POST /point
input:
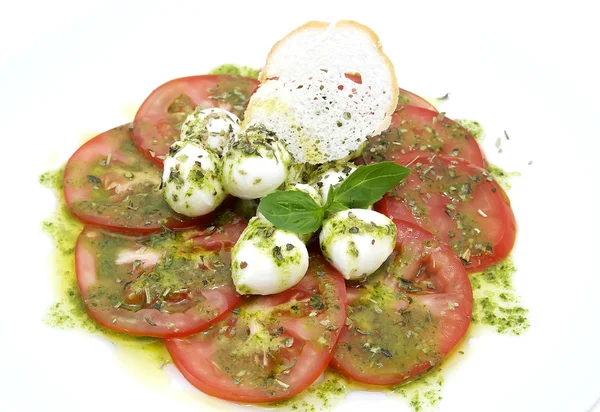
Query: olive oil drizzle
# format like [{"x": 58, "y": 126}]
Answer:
[{"x": 496, "y": 307}]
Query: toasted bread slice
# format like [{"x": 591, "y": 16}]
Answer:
[{"x": 325, "y": 89}]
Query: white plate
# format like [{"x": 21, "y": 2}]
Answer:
[{"x": 69, "y": 70}]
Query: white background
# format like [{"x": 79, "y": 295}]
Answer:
[{"x": 69, "y": 70}]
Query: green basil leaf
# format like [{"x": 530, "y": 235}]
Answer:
[
  {"x": 367, "y": 184},
  {"x": 293, "y": 211},
  {"x": 336, "y": 207},
  {"x": 329, "y": 198}
]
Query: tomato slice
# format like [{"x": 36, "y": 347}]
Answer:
[
  {"x": 417, "y": 131},
  {"x": 161, "y": 285},
  {"x": 409, "y": 98},
  {"x": 458, "y": 202},
  {"x": 404, "y": 318},
  {"x": 107, "y": 182},
  {"x": 223, "y": 233},
  {"x": 159, "y": 119},
  {"x": 271, "y": 348}
]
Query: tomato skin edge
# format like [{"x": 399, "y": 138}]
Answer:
[
  {"x": 506, "y": 243},
  {"x": 386, "y": 381},
  {"x": 147, "y": 230}
]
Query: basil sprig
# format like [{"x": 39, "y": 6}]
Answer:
[
  {"x": 293, "y": 210},
  {"x": 297, "y": 212}
]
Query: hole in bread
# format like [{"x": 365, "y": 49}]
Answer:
[{"x": 355, "y": 77}]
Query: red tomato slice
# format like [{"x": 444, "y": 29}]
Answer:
[
  {"x": 160, "y": 285},
  {"x": 224, "y": 233},
  {"x": 417, "y": 131},
  {"x": 409, "y": 98},
  {"x": 159, "y": 119},
  {"x": 107, "y": 182},
  {"x": 458, "y": 202},
  {"x": 271, "y": 348},
  {"x": 404, "y": 318}
]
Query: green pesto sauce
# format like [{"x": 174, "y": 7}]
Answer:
[
  {"x": 236, "y": 70},
  {"x": 495, "y": 300},
  {"x": 496, "y": 305},
  {"x": 144, "y": 355},
  {"x": 321, "y": 396},
  {"x": 423, "y": 393},
  {"x": 501, "y": 176},
  {"x": 474, "y": 128}
]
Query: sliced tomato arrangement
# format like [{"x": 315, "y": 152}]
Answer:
[
  {"x": 458, "y": 202},
  {"x": 161, "y": 285},
  {"x": 404, "y": 318},
  {"x": 145, "y": 270},
  {"x": 409, "y": 98},
  {"x": 159, "y": 119},
  {"x": 107, "y": 182},
  {"x": 272, "y": 347},
  {"x": 418, "y": 131}
]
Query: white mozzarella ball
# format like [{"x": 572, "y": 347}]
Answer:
[
  {"x": 255, "y": 163},
  {"x": 192, "y": 179},
  {"x": 357, "y": 241},
  {"x": 331, "y": 174},
  {"x": 214, "y": 127},
  {"x": 266, "y": 260}
]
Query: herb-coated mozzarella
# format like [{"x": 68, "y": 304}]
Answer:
[
  {"x": 214, "y": 127},
  {"x": 192, "y": 179},
  {"x": 266, "y": 260},
  {"x": 255, "y": 163},
  {"x": 331, "y": 174},
  {"x": 357, "y": 241}
]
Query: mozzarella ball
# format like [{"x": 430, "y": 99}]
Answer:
[
  {"x": 255, "y": 163},
  {"x": 214, "y": 127},
  {"x": 266, "y": 260},
  {"x": 331, "y": 174},
  {"x": 191, "y": 179},
  {"x": 357, "y": 241}
]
